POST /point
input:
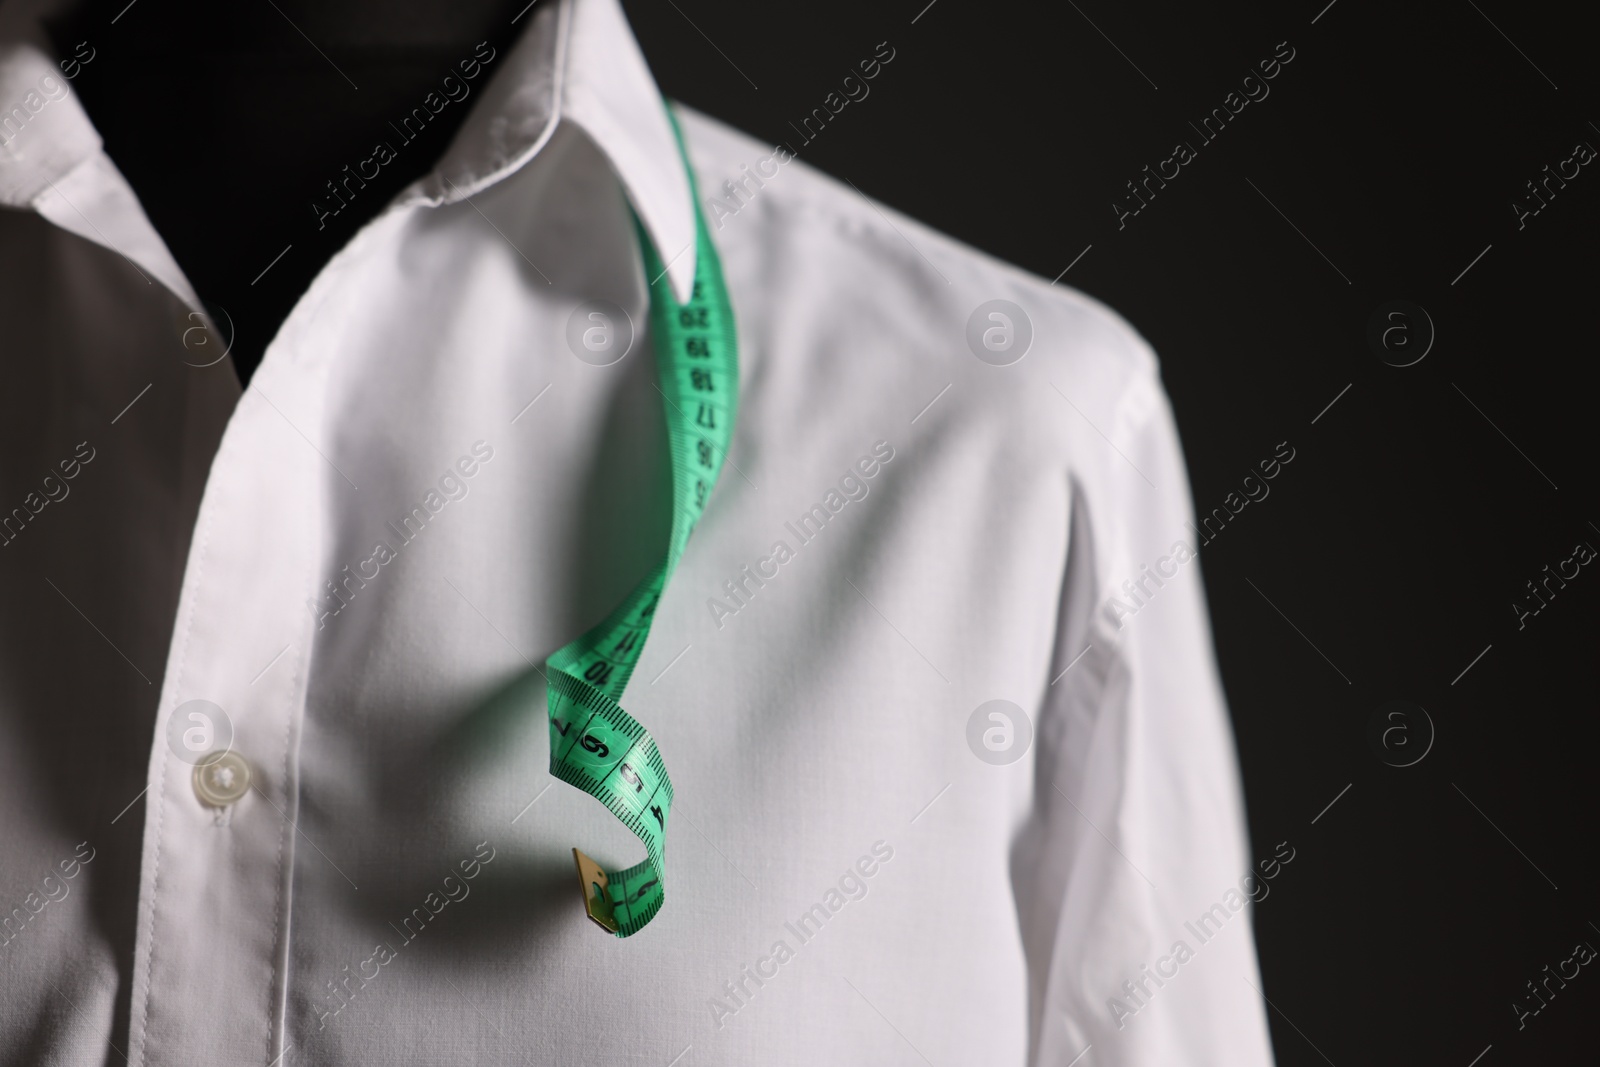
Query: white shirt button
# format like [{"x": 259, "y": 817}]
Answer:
[{"x": 221, "y": 778}]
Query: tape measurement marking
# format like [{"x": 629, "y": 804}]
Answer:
[{"x": 594, "y": 744}]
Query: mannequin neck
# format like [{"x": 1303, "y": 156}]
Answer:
[{"x": 230, "y": 120}]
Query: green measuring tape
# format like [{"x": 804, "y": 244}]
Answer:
[{"x": 594, "y": 744}]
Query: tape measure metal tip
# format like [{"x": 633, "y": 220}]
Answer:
[
  {"x": 594, "y": 881},
  {"x": 595, "y": 745}
]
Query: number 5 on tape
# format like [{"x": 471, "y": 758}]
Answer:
[{"x": 594, "y": 744}]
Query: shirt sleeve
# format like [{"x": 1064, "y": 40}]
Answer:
[{"x": 1132, "y": 873}]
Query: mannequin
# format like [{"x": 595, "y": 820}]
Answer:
[{"x": 230, "y": 120}]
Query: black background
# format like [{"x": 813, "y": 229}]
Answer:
[
  {"x": 1383, "y": 164},
  {"x": 1418, "y": 505}
]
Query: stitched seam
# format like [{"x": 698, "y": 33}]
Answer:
[
  {"x": 277, "y": 892},
  {"x": 335, "y": 271},
  {"x": 160, "y": 778},
  {"x": 280, "y": 906}
]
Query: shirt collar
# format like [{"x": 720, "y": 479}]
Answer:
[
  {"x": 579, "y": 62},
  {"x": 576, "y": 62},
  {"x": 44, "y": 133}
]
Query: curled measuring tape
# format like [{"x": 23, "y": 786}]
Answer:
[{"x": 594, "y": 744}]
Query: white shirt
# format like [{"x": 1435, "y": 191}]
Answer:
[{"x": 396, "y": 884}]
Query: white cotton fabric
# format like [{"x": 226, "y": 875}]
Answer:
[{"x": 398, "y": 886}]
